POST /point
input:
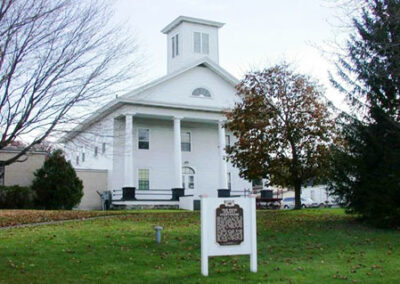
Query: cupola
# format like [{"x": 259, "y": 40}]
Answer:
[{"x": 189, "y": 39}]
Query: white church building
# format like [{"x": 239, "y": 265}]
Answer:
[{"x": 168, "y": 133}]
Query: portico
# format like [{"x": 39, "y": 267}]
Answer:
[{"x": 132, "y": 162}]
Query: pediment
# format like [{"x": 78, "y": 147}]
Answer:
[{"x": 181, "y": 88}]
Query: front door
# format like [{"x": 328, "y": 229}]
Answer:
[{"x": 188, "y": 180}]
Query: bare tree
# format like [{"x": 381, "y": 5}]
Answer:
[{"x": 56, "y": 56}]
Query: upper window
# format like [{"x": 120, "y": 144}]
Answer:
[
  {"x": 185, "y": 142},
  {"x": 96, "y": 151},
  {"x": 144, "y": 138},
  {"x": 103, "y": 148},
  {"x": 201, "y": 92},
  {"x": 201, "y": 43},
  {"x": 175, "y": 45},
  {"x": 227, "y": 141}
]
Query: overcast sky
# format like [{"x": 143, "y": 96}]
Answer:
[{"x": 257, "y": 33}]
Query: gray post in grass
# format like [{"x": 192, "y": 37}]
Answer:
[{"x": 158, "y": 230}]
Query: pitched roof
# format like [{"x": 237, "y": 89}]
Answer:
[
  {"x": 129, "y": 97},
  {"x": 205, "y": 61},
  {"x": 181, "y": 19}
]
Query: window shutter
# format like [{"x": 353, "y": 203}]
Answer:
[{"x": 196, "y": 42}]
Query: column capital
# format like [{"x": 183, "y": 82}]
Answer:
[
  {"x": 178, "y": 117},
  {"x": 129, "y": 114},
  {"x": 221, "y": 122}
]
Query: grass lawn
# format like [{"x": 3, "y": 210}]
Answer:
[
  {"x": 20, "y": 217},
  {"x": 308, "y": 246}
]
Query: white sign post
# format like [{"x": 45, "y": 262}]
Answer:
[{"x": 228, "y": 227}]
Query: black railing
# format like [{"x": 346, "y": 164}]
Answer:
[
  {"x": 244, "y": 192},
  {"x": 173, "y": 194},
  {"x": 233, "y": 193},
  {"x": 132, "y": 194}
]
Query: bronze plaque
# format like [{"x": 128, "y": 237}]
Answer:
[{"x": 229, "y": 224}]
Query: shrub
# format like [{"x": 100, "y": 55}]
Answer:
[
  {"x": 16, "y": 197},
  {"x": 56, "y": 184}
]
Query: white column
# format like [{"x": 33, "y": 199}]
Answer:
[
  {"x": 128, "y": 169},
  {"x": 177, "y": 152},
  {"x": 223, "y": 183}
]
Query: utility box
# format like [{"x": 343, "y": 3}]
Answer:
[{"x": 105, "y": 200}]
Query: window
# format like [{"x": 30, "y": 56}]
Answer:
[
  {"x": 185, "y": 142},
  {"x": 77, "y": 160},
  {"x": 201, "y": 43},
  {"x": 144, "y": 182},
  {"x": 229, "y": 179},
  {"x": 289, "y": 199},
  {"x": 191, "y": 182},
  {"x": 175, "y": 45},
  {"x": 227, "y": 141},
  {"x": 2, "y": 172},
  {"x": 144, "y": 140},
  {"x": 187, "y": 171},
  {"x": 83, "y": 157},
  {"x": 201, "y": 92},
  {"x": 96, "y": 151},
  {"x": 204, "y": 43},
  {"x": 103, "y": 148},
  {"x": 197, "y": 42},
  {"x": 188, "y": 178}
]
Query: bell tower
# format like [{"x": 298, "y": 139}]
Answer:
[{"x": 189, "y": 39}]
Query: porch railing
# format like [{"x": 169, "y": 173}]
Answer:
[
  {"x": 233, "y": 193},
  {"x": 133, "y": 194}
]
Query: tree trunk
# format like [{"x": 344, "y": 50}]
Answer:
[
  {"x": 297, "y": 196},
  {"x": 296, "y": 179}
]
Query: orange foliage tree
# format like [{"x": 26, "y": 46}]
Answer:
[{"x": 283, "y": 126}]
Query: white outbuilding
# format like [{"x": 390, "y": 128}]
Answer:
[{"x": 168, "y": 133}]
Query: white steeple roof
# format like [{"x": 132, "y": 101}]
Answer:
[{"x": 181, "y": 19}]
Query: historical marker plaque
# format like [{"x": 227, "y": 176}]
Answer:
[
  {"x": 229, "y": 224},
  {"x": 228, "y": 227}
]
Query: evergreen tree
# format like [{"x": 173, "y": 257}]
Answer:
[
  {"x": 56, "y": 184},
  {"x": 366, "y": 164}
]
